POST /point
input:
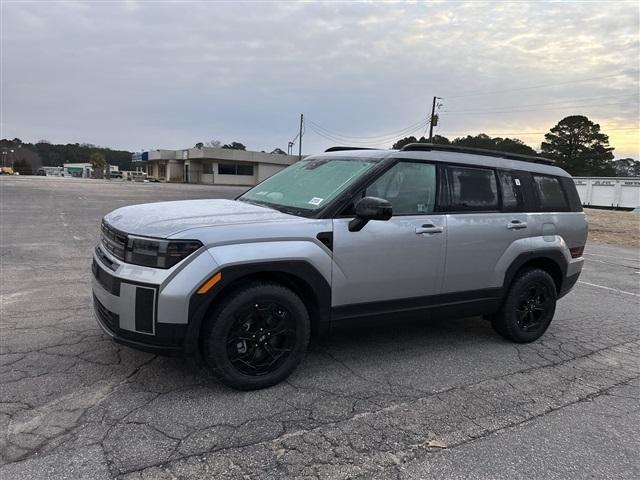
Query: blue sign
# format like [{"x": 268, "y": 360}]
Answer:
[{"x": 140, "y": 157}]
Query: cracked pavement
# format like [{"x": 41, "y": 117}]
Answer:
[{"x": 368, "y": 402}]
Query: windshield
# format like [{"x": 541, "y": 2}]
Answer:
[{"x": 308, "y": 185}]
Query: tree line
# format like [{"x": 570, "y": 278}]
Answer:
[
  {"x": 26, "y": 158},
  {"x": 575, "y": 143}
]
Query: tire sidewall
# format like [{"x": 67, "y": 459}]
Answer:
[
  {"x": 506, "y": 322},
  {"x": 222, "y": 319}
]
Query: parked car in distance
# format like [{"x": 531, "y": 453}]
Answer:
[{"x": 428, "y": 230}]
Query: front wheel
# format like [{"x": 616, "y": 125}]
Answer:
[
  {"x": 528, "y": 308},
  {"x": 257, "y": 336}
]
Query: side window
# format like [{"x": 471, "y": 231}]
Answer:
[
  {"x": 410, "y": 187},
  {"x": 552, "y": 198},
  {"x": 512, "y": 191},
  {"x": 472, "y": 189},
  {"x": 572, "y": 194}
]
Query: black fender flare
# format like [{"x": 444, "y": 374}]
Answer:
[
  {"x": 306, "y": 277},
  {"x": 555, "y": 255}
]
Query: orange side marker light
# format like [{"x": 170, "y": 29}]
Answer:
[{"x": 209, "y": 284}]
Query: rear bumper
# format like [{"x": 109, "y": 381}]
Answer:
[
  {"x": 574, "y": 268},
  {"x": 567, "y": 284}
]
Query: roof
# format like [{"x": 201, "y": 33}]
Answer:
[
  {"x": 465, "y": 156},
  {"x": 477, "y": 151}
]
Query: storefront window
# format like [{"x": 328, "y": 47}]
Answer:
[{"x": 235, "y": 169}]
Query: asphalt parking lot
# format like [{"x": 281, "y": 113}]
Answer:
[{"x": 377, "y": 402}]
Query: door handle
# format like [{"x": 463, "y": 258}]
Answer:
[
  {"x": 429, "y": 228},
  {"x": 516, "y": 225}
]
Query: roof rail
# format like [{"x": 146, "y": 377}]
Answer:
[
  {"x": 342, "y": 149},
  {"x": 426, "y": 147}
]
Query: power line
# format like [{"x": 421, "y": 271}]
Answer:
[
  {"x": 486, "y": 112},
  {"x": 495, "y": 92},
  {"x": 540, "y": 104},
  {"x": 352, "y": 142},
  {"x": 364, "y": 137},
  {"x": 460, "y": 132},
  {"x": 372, "y": 140},
  {"x": 362, "y": 141}
]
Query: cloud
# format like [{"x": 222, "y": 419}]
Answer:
[{"x": 158, "y": 75}]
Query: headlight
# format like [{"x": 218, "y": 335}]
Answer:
[{"x": 150, "y": 252}]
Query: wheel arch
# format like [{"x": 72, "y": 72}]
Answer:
[
  {"x": 298, "y": 275},
  {"x": 551, "y": 261}
]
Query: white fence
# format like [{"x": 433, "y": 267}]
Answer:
[{"x": 609, "y": 191}]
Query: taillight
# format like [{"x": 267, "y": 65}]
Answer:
[{"x": 576, "y": 251}]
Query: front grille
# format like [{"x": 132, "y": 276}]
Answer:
[
  {"x": 108, "y": 318},
  {"x": 114, "y": 241}
]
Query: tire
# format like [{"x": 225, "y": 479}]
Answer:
[
  {"x": 257, "y": 336},
  {"x": 528, "y": 308}
]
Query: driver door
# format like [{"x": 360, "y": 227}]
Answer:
[{"x": 393, "y": 265}]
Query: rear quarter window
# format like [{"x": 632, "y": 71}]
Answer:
[
  {"x": 575, "y": 204},
  {"x": 550, "y": 193}
]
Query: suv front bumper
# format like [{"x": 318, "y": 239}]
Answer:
[
  {"x": 107, "y": 308},
  {"x": 147, "y": 316}
]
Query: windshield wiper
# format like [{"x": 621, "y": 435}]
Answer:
[
  {"x": 291, "y": 211},
  {"x": 258, "y": 204},
  {"x": 278, "y": 208}
]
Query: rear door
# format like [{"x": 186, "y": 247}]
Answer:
[
  {"x": 481, "y": 226},
  {"x": 395, "y": 264}
]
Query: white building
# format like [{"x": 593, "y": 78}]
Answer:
[
  {"x": 213, "y": 166},
  {"x": 617, "y": 192}
]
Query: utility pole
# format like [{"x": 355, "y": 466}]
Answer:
[
  {"x": 434, "y": 120},
  {"x": 300, "y": 138}
]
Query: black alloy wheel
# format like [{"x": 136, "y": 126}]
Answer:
[
  {"x": 256, "y": 336},
  {"x": 261, "y": 338},
  {"x": 528, "y": 307},
  {"x": 533, "y": 304}
]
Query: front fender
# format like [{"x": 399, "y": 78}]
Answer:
[
  {"x": 313, "y": 253},
  {"x": 308, "y": 263}
]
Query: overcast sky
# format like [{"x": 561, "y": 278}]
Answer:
[{"x": 145, "y": 75}]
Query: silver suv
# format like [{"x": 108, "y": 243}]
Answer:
[{"x": 428, "y": 230}]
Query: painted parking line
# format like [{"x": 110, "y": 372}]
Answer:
[
  {"x": 609, "y": 288},
  {"x": 613, "y": 256},
  {"x": 612, "y": 263}
]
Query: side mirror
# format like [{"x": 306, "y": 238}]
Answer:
[{"x": 370, "y": 208}]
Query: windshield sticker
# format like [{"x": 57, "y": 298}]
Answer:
[
  {"x": 517, "y": 182},
  {"x": 315, "y": 201}
]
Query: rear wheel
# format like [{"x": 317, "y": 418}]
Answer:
[
  {"x": 257, "y": 336},
  {"x": 528, "y": 308}
]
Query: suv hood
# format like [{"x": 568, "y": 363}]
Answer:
[{"x": 164, "y": 219}]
